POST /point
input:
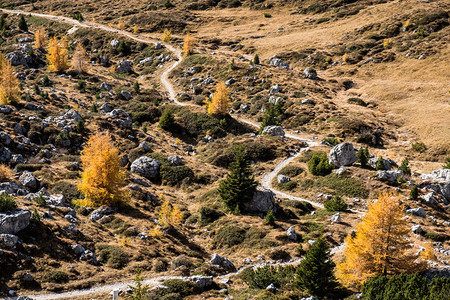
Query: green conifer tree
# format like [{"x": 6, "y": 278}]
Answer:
[
  {"x": 272, "y": 115},
  {"x": 167, "y": 120},
  {"x": 23, "y": 24},
  {"x": 414, "y": 194},
  {"x": 315, "y": 273},
  {"x": 256, "y": 60},
  {"x": 380, "y": 164},
  {"x": 404, "y": 167},
  {"x": 363, "y": 156},
  {"x": 239, "y": 186},
  {"x": 270, "y": 217}
]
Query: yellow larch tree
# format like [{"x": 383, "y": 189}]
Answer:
[
  {"x": 9, "y": 83},
  {"x": 381, "y": 245},
  {"x": 169, "y": 215},
  {"x": 40, "y": 38},
  {"x": 102, "y": 180},
  {"x": 58, "y": 54},
  {"x": 220, "y": 102},
  {"x": 188, "y": 46},
  {"x": 167, "y": 36},
  {"x": 79, "y": 60}
]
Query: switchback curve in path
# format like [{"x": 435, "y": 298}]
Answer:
[{"x": 266, "y": 181}]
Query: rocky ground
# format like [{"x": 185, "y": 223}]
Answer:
[{"x": 48, "y": 244}]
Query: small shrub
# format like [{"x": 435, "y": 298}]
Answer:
[
  {"x": 167, "y": 4},
  {"x": 270, "y": 217},
  {"x": 112, "y": 256},
  {"x": 173, "y": 175},
  {"x": 182, "y": 287},
  {"x": 278, "y": 254},
  {"x": 336, "y": 204},
  {"x": 159, "y": 266},
  {"x": 7, "y": 203},
  {"x": 363, "y": 156},
  {"x": 56, "y": 276},
  {"x": 291, "y": 171},
  {"x": 262, "y": 277},
  {"x": 288, "y": 186},
  {"x": 414, "y": 194},
  {"x": 229, "y": 236},
  {"x": 181, "y": 261},
  {"x": 331, "y": 140},
  {"x": 267, "y": 15},
  {"x": 380, "y": 164},
  {"x": 447, "y": 164},
  {"x": 404, "y": 167},
  {"x": 436, "y": 237},
  {"x": 208, "y": 215},
  {"x": 167, "y": 120},
  {"x": 40, "y": 200},
  {"x": 319, "y": 166},
  {"x": 342, "y": 186},
  {"x": 419, "y": 147}
]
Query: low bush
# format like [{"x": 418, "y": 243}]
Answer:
[
  {"x": 208, "y": 215},
  {"x": 69, "y": 190},
  {"x": 173, "y": 175},
  {"x": 229, "y": 236},
  {"x": 305, "y": 207},
  {"x": 288, "y": 186},
  {"x": 181, "y": 287},
  {"x": 278, "y": 254},
  {"x": 291, "y": 171},
  {"x": 419, "y": 147},
  {"x": 159, "y": 266},
  {"x": 182, "y": 261},
  {"x": 7, "y": 203},
  {"x": 436, "y": 237},
  {"x": 336, "y": 204},
  {"x": 343, "y": 186},
  {"x": 319, "y": 166},
  {"x": 264, "y": 276},
  {"x": 112, "y": 256},
  {"x": 56, "y": 276},
  {"x": 331, "y": 140},
  {"x": 357, "y": 101}
]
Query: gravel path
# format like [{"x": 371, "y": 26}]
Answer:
[{"x": 266, "y": 181}]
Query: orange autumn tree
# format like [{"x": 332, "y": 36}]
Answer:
[
  {"x": 220, "y": 102},
  {"x": 188, "y": 46},
  {"x": 58, "y": 54},
  {"x": 169, "y": 215},
  {"x": 102, "y": 180},
  {"x": 79, "y": 60},
  {"x": 167, "y": 36},
  {"x": 381, "y": 245},
  {"x": 9, "y": 84},
  {"x": 40, "y": 38}
]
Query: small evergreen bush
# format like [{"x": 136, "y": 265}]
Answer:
[
  {"x": 319, "y": 166},
  {"x": 336, "y": 204},
  {"x": 7, "y": 203}
]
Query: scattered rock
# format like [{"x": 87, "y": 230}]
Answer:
[
  {"x": 5, "y": 154},
  {"x": 78, "y": 249},
  {"x": 342, "y": 154},
  {"x": 175, "y": 160},
  {"x": 145, "y": 146},
  {"x": 105, "y": 86},
  {"x": 310, "y": 73},
  {"x": 275, "y": 89},
  {"x": 57, "y": 200},
  {"x": 8, "y": 241},
  {"x": 417, "y": 229},
  {"x": 15, "y": 221},
  {"x": 429, "y": 198},
  {"x": 272, "y": 288},
  {"x": 336, "y": 218},
  {"x": 262, "y": 201},
  {"x": 115, "y": 43},
  {"x": 438, "y": 181},
  {"x": 387, "y": 163},
  {"x": 124, "y": 67},
  {"x": 158, "y": 46},
  {"x": 28, "y": 180},
  {"x": 274, "y": 131},
  {"x": 126, "y": 95},
  {"x": 9, "y": 187},
  {"x": 419, "y": 211},
  {"x": 230, "y": 81},
  {"x": 279, "y": 63},
  {"x": 283, "y": 178},
  {"x": 17, "y": 58},
  {"x": 308, "y": 101},
  {"x": 291, "y": 234},
  {"x": 390, "y": 176},
  {"x": 222, "y": 262},
  {"x": 146, "y": 167},
  {"x": 101, "y": 212},
  {"x": 202, "y": 281}
]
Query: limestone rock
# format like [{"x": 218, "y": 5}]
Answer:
[
  {"x": 175, "y": 160},
  {"x": 8, "y": 240},
  {"x": 336, "y": 218},
  {"x": 342, "y": 154},
  {"x": 419, "y": 211},
  {"x": 146, "y": 167},
  {"x": 390, "y": 176},
  {"x": 283, "y": 178},
  {"x": 222, "y": 262},
  {"x": 15, "y": 221},
  {"x": 28, "y": 180},
  {"x": 262, "y": 201},
  {"x": 310, "y": 73},
  {"x": 291, "y": 234},
  {"x": 274, "y": 130}
]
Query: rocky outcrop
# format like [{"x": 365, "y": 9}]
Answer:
[
  {"x": 124, "y": 67},
  {"x": 146, "y": 167},
  {"x": 291, "y": 234},
  {"x": 438, "y": 181},
  {"x": 279, "y": 63},
  {"x": 28, "y": 180},
  {"x": 274, "y": 131},
  {"x": 391, "y": 176},
  {"x": 419, "y": 211},
  {"x": 283, "y": 178},
  {"x": 310, "y": 73},
  {"x": 15, "y": 221},
  {"x": 8, "y": 241},
  {"x": 387, "y": 163},
  {"x": 175, "y": 160},
  {"x": 342, "y": 154},
  {"x": 262, "y": 201},
  {"x": 222, "y": 262}
]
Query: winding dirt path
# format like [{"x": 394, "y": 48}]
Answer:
[{"x": 266, "y": 181}]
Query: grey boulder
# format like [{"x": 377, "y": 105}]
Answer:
[
  {"x": 390, "y": 176},
  {"x": 283, "y": 178},
  {"x": 274, "y": 131},
  {"x": 175, "y": 160},
  {"x": 342, "y": 154},
  {"x": 291, "y": 234},
  {"x": 28, "y": 180},
  {"x": 419, "y": 211},
  {"x": 146, "y": 167},
  {"x": 262, "y": 201},
  {"x": 8, "y": 240},
  {"x": 221, "y": 261},
  {"x": 15, "y": 221}
]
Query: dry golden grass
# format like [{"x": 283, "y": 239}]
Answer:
[{"x": 5, "y": 173}]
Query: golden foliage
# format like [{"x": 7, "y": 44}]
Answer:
[
  {"x": 381, "y": 244},
  {"x": 387, "y": 43},
  {"x": 169, "y": 215},
  {"x": 121, "y": 25},
  {"x": 345, "y": 57},
  {"x": 58, "y": 54},
  {"x": 220, "y": 102},
  {"x": 428, "y": 253},
  {"x": 5, "y": 173},
  {"x": 135, "y": 29},
  {"x": 156, "y": 232},
  {"x": 102, "y": 179},
  {"x": 167, "y": 36},
  {"x": 9, "y": 84},
  {"x": 188, "y": 46},
  {"x": 407, "y": 23},
  {"x": 40, "y": 38},
  {"x": 124, "y": 241},
  {"x": 79, "y": 60}
]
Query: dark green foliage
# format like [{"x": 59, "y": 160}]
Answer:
[
  {"x": 357, "y": 101},
  {"x": 167, "y": 120},
  {"x": 288, "y": 186},
  {"x": 272, "y": 116},
  {"x": 319, "y": 166},
  {"x": 182, "y": 287},
  {"x": 229, "y": 236},
  {"x": 270, "y": 217},
  {"x": 405, "y": 167},
  {"x": 40, "y": 200},
  {"x": 80, "y": 126},
  {"x": 419, "y": 147},
  {"x": 3, "y": 26},
  {"x": 139, "y": 290},
  {"x": 56, "y": 276},
  {"x": 136, "y": 87},
  {"x": 406, "y": 286},
  {"x": 447, "y": 164},
  {"x": 233, "y": 65},
  {"x": 123, "y": 48},
  {"x": 81, "y": 85},
  {"x": 173, "y": 175},
  {"x": 7, "y": 203},
  {"x": 436, "y": 237},
  {"x": 363, "y": 156},
  {"x": 256, "y": 60},
  {"x": 331, "y": 140},
  {"x": 93, "y": 108},
  {"x": 380, "y": 164},
  {"x": 208, "y": 215},
  {"x": 267, "y": 15},
  {"x": 23, "y": 24},
  {"x": 239, "y": 186},
  {"x": 264, "y": 276},
  {"x": 46, "y": 81},
  {"x": 112, "y": 256},
  {"x": 167, "y": 4},
  {"x": 316, "y": 272},
  {"x": 336, "y": 204},
  {"x": 35, "y": 216},
  {"x": 78, "y": 16},
  {"x": 291, "y": 171},
  {"x": 414, "y": 194},
  {"x": 69, "y": 190}
]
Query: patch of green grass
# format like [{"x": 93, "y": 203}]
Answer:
[
  {"x": 112, "y": 256},
  {"x": 291, "y": 171},
  {"x": 56, "y": 276},
  {"x": 342, "y": 186}
]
